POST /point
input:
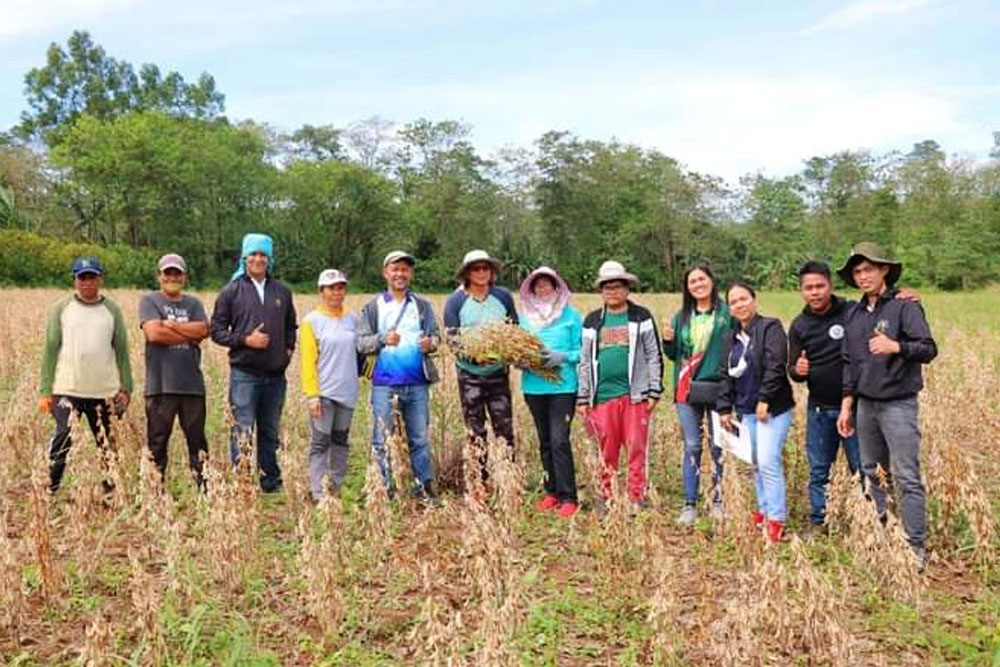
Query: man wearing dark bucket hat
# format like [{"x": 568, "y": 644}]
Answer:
[
  {"x": 885, "y": 343},
  {"x": 482, "y": 388}
]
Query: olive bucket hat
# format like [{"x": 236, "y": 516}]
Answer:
[{"x": 873, "y": 253}]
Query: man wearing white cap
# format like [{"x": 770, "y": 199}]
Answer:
[
  {"x": 399, "y": 327},
  {"x": 174, "y": 324},
  {"x": 482, "y": 388},
  {"x": 620, "y": 379}
]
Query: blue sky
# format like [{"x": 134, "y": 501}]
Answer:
[{"x": 727, "y": 87}]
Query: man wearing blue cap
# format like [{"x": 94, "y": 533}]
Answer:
[
  {"x": 85, "y": 364},
  {"x": 255, "y": 318}
]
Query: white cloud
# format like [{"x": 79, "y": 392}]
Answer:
[
  {"x": 25, "y": 17},
  {"x": 725, "y": 126},
  {"x": 863, "y": 11}
]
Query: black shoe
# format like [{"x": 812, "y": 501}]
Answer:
[
  {"x": 815, "y": 531},
  {"x": 425, "y": 493}
]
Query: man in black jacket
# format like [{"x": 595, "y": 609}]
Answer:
[
  {"x": 886, "y": 341},
  {"x": 255, "y": 318},
  {"x": 815, "y": 338}
]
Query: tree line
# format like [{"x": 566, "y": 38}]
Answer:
[{"x": 143, "y": 161}]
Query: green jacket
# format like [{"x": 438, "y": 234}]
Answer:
[{"x": 679, "y": 351}]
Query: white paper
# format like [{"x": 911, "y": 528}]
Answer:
[{"x": 738, "y": 444}]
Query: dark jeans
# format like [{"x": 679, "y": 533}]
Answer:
[
  {"x": 98, "y": 413},
  {"x": 161, "y": 409},
  {"x": 822, "y": 443},
  {"x": 889, "y": 434},
  {"x": 553, "y": 414},
  {"x": 481, "y": 394},
  {"x": 257, "y": 400}
]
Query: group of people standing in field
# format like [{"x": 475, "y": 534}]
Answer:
[{"x": 861, "y": 361}]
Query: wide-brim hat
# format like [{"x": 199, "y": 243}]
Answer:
[
  {"x": 612, "y": 270},
  {"x": 873, "y": 253},
  {"x": 475, "y": 257}
]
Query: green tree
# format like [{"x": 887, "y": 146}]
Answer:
[
  {"x": 83, "y": 79},
  {"x": 336, "y": 214},
  {"x": 450, "y": 204},
  {"x": 149, "y": 179}
]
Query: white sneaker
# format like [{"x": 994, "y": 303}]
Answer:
[
  {"x": 717, "y": 514},
  {"x": 687, "y": 515}
]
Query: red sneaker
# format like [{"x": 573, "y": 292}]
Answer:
[
  {"x": 758, "y": 519},
  {"x": 566, "y": 510},
  {"x": 775, "y": 532},
  {"x": 547, "y": 503}
]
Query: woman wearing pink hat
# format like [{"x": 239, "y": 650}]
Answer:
[{"x": 545, "y": 311}]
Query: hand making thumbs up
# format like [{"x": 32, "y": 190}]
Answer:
[
  {"x": 668, "y": 331},
  {"x": 257, "y": 339},
  {"x": 802, "y": 365}
]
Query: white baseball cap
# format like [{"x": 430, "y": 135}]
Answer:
[{"x": 331, "y": 277}]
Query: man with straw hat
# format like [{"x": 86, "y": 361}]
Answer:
[
  {"x": 482, "y": 388},
  {"x": 620, "y": 379},
  {"x": 885, "y": 343}
]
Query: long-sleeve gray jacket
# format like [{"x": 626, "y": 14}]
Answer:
[
  {"x": 370, "y": 341},
  {"x": 645, "y": 356}
]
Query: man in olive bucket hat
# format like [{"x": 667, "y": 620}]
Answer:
[{"x": 886, "y": 340}]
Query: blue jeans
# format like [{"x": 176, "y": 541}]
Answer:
[
  {"x": 889, "y": 432},
  {"x": 822, "y": 443},
  {"x": 257, "y": 400},
  {"x": 768, "y": 441},
  {"x": 414, "y": 406},
  {"x": 691, "y": 417}
]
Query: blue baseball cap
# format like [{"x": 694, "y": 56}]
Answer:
[{"x": 87, "y": 265}]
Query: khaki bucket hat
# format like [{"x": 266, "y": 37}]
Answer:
[{"x": 873, "y": 253}]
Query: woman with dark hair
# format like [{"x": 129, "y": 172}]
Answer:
[
  {"x": 694, "y": 339},
  {"x": 757, "y": 388}
]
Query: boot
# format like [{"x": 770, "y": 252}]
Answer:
[
  {"x": 775, "y": 531},
  {"x": 339, "y": 455},
  {"x": 757, "y": 517}
]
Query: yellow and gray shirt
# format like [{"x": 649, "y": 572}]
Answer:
[
  {"x": 329, "y": 362},
  {"x": 86, "y": 350}
]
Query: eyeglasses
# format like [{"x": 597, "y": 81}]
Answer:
[
  {"x": 613, "y": 287},
  {"x": 480, "y": 267}
]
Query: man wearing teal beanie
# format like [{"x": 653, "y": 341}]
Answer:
[{"x": 255, "y": 318}]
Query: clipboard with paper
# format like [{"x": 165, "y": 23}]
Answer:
[{"x": 738, "y": 443}]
